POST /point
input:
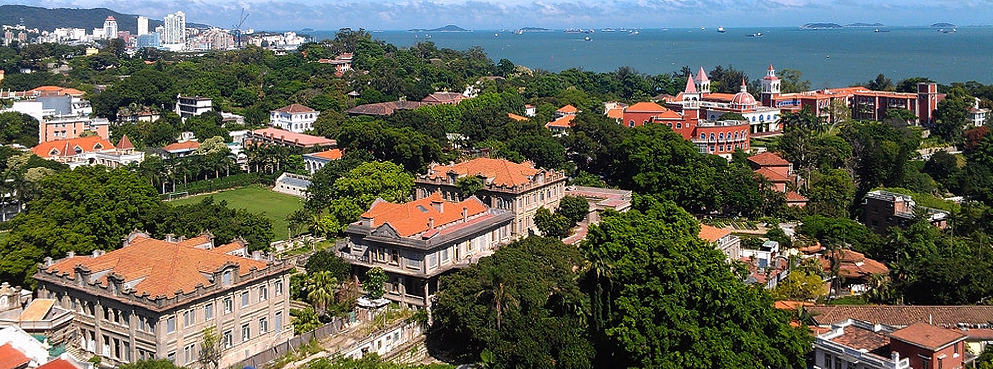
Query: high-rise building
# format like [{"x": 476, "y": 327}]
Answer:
[
  {"x": 175, "y": 29},
  {"x": 110, "y": 28},
  {"x": 142, "y": 26}
]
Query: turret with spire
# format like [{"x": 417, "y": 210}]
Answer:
[
  {"x": 702, "y": 82},
  {"x": 770, "y": 87}
]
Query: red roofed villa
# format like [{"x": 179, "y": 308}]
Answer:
[
  {"x": 91, "y": 150},
  {"x": 275, "y": 136},
  {"x": 315, "y": 161},
  {"x": 418, "y": 241}
]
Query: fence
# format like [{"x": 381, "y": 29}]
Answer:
[{"x": 259, "y": 360}]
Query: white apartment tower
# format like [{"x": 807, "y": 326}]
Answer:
[
  {"x": 142, "y": 26},
  {"x": 110, "y": 28},
  {"x": 175, "y": 29}
]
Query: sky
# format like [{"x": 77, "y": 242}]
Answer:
[{"x": 511, "y": 14}]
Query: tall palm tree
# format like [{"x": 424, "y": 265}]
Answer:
[
  {"x": 495, "y": 290},
  {"x": 321, "y": 290}
]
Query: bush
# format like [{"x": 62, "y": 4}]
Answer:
[{"x": 222, "y": 183}]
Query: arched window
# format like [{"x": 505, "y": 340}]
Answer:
[
  {"x": 721, "y": 136},
  {"x": 669, "y": 124},
  {"x": 703, "y": 136},
  {"x": 631, "y": 123},
  {"x": 679, "y": 125},
  {"x": 712, "y": 138}
]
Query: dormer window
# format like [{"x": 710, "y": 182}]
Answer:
[
  {"x": 78, "y": 150},
  {"x": 98, "y": 146},
  {"x": 226, "y": 278}
]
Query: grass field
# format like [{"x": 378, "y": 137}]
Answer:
[{"x": 276, "y": 206}]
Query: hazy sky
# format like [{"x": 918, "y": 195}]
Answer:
[{"x": 497, "y": 14}]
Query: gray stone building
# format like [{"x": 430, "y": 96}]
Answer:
[{"x": 153, "y": 299}]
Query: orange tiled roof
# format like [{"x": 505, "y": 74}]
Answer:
[
  {"x": 947, "y": 316},
  {"x": 616, "y": 113},
  {"x": 159, "y": 268},
  {"x": 333, "y": 154},
  {"x": 496, "y": 171},
  {"x": 413, "y": 217},
  {"x": 668, "y": 115},
  {"x": 179, "y": 146},
  {"x": 795, "y": 197},
  {"x": 645, "y": 106},
  {"x": 854, "y": 265},
  {"x": 59, "y": 364},
  {"x": 771, "y": 175},
  {"x": 55, "y": 90},
  {"x": 125, "y": 143},
  {"x": 288, "y": 136},
  {"x": 68, "y": 147},
  {"x": 517, "y": 117},
  {"x": 564, "y": 122},
  {"x": 927, "y": 336},
  {"x": 712, "y": 234},
  {"x": 767, "y": 159},
  {"x": 719, "y": 96},
  {"x": 791, "y": 305},
  {"x": 11, "y": 358},
  {"x": 568, "y": 109},
  {"x": 444, "y": 97},
  {"x": 295, "y": 108}
]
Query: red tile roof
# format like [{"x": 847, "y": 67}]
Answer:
[
  {"x": 36, "y": 310},
  {"x": 181, "y": 146},
  {"x": 768, "y": 159},
  {"x": 645, "y": 106},
  {"x": 68, "y": 147},
  {"x": 616, "y": 113},
  {"x": 293, "y": 137},
  {"x": 11, "y": 358},
  {"x": 904, "y": 315},
  {"x": 854, "y": 265},
  {"x": 125, "y": 143},
  {"x": 158, "y": 267},
  {"x": 791, "y": 305},
  {"x": 496, "y": 171},
  {"x": 333, "y": 154},
  {"x": 712, "y": 234},
  {"x": 59, "y": 364},
  {"x": 927, "y": 336},
  {"x": 795, "y": 197},
  {"x": 564, "y": 122},
  {"x": 863, "y": 339},
  {"x": 55, "y": 90},
  {"x": 443, "y": 98},
  {"x": 772, "y": 175},
  {"x": 385, "y": 108},
  {"x": 417, "y": 216},
  {"x": 517, "y": 117},
  {"x": 295, "y": 109},
  {"x": 568, "y": 109}
]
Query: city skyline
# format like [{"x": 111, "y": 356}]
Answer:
[{"x": 492, "y": 14}]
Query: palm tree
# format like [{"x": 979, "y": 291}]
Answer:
[
  {"x": 495, "y": 290},
  {"x": 321, "y": 290}
]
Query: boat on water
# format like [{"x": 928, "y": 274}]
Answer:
[
  {"x": 721, "y": 30},
  {"x": 588, "y": 38},
  {"x": 703, "y": 28},
  {"x": 881, "y": 30},
  {"x": 756, "y": 34},
  {"x": 633, "y": 32},
  {"x": 607, "y": 30},
  {"x": 519, "y": 32}
]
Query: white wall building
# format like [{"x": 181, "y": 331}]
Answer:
[
  {"x": 294, "y": 118},
  {"x": 110, "y": 28},
  {"x": 174, "y": 32},
  {"x": 142, "y": 25}
]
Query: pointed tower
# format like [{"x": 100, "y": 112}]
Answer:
[
  {"x": 702, "y": 82},
  {"x": 770, "y": 87},
  {"x": 691, "y": 101},
  {"x": 124, "y": 145}
]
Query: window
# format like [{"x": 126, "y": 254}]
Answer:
[
  {"x": 679, "y": 125},
  {"x": 208, "y": 311},
  {"x": 279, "y": 321},
  {"x": 226, "y": 278},
  {"x": 246, "y": 332},
  {"x": 263, "y": 325},
  {"x": 263, "y": 292},
  {"x": 713, "y": 138},
  {"x": 228, "y": 339},
  {"x": 279, "y": 287},
  {"x": 228, "y": 305},
  {"x": 444, "y": 255},
  {"x": 189, "y": 353},
  {"x": 171, "y": 357},
  {"x": 141, "y": 324},
  {"x": 171, "y": 324},
  {"x": 188, "y": 318},
  {"x": 413, "y": 261},
  {"x": 703, "y": 136},
  {"x": 244, "y": 299},
  {"x": 433, "y": 260}
]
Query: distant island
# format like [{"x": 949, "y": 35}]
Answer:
[
  {"x": 448, "y": 28},
  {"x": 49, "y": 19},
  {"x": 865, "y": 25},
  {"x": 821, "y": 26},
  {"x": 535, "y": 29},
  {"x": 942, "y": 25}
]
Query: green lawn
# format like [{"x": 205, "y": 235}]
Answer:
[{"x": 276, "y": 206}]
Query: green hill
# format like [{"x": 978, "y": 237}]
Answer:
[{"x": 49, "y": 19}]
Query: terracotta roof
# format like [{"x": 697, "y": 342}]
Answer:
[
  {"x": 768, "y": 159},
  {"x": 443, "y": 98},
  {"x": 385, "y": 108},
  {"x": 417, "y": 216},
  {"x": 36, "y": 310},
  {"x": 854, "y": 265},
  {"x": 718, "y": 96},
  {"x": 55, "y": 90},
  {"x": 795, "y": 197},
  {"x": 712, "y": 234},
  {"x": 59, "y": 364},
  {"x": 293, "y": 137},
  {"x": 158, "y": 267},
  {"x": 564, "y": 122},
  {"x": 333, "y": 154},
  {"x": 517, "y": 117},
  {"x": 616, "y": 113},
  {"x": 568, "y": 109},
  {"x": 863, "y": 339},
  {"x": 791, "y": 305},
  {"x": 125, "y": 143},
  {"x": 646, "y": 106},
  {"x": 181, "y": 146},
  {"x": 295, "y": 109},
  {"x": 495, "y": 171},
  {"x": 68, "y": 147},
  {"x": 11, "y": 358},
  {"x": 771, "y": 175},
  {"x": 669, "y": 115},
  {"x": 927, "y": 336},
  {"x": 110, "y": 18},
  {"x": 904, "y": 315}
]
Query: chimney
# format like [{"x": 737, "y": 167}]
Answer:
[
  {"x": 170, "y": 237},
  {"x": 465, "y": 213},
  {"x": 438, "y": 205},
  {"x": 48, "y": 261},
  {"x": 431, "y": 223},
  {"x": 70, "y": 254},
  {"x": 98, "y": 252}
]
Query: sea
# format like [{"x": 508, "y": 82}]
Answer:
[{"x": 827, "y": 58}]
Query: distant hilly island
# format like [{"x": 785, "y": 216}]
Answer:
[
  {"x": 448, "y": 28},
  {"x": 49, "y": 19}
]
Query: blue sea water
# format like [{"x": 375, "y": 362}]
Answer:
[{"x": 827, "y": 58}]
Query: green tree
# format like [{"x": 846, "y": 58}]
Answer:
[
  {"x": 800, "y": 285},
  {"x": 375, "y": 278},
  {"x": 678, "y": 305},
  {"x": 211, "y": 348},
  {"x": 574, "y": 208},
  {"x": 150, "y": 364},
  {"x": 655, "y": 160},
  {"x": 18, "y": 128},
  {"x": 951, "y": 115},
  {"x": 327, "y": 261},
  {"x": 831, "y": 193},
  {"x": 469, "y": 185},
  {"x": 551, "y": 225},
  {"x": 320, "y": 289}
]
